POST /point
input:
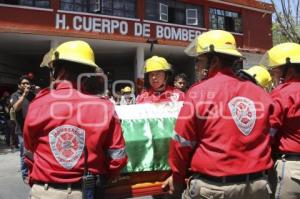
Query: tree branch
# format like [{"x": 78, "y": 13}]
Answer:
[
  {"x": 280, "y": 20},
  {"x": 297, "y": 12},
  {"x": 288, "y": 24}
]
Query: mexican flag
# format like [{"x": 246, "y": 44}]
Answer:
[{"x": 147, "y": 129}]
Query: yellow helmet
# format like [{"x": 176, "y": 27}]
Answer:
[
  {"x": 47, "y": 58},
  {"x": 219, "y": 41},
  {"x": 126, "y": 89},
  {"x": 261, "y": 75},
  {"x": 75, "y": 51},
  {"x": 281, "y": 54},
  {"x": 156, "y": 63}
]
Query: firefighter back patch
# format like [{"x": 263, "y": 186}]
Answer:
[
  {"x": 67, "y": 143},
  {"x": 243, "y": 113}
]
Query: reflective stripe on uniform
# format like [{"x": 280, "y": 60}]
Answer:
[
  {"x": 183, "y": 142},
  {"x": 116, "y": 153},
  {"x": 28, "y": 154}
]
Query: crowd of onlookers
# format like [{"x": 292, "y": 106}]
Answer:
[
  {"x": 13, "y": 110},
  {"x": 127, "y": 95},
  {"x": 7, "y": 125}
]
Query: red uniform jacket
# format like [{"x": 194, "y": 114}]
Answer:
[
  {"x": 222, "y": 129},
  {"x": 170, "y": 94},
  {"x": 58, "y": 125},
  {"x": 286, "y": 117}
]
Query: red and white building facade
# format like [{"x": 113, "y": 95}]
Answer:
[{"x": 123, "y": 33}]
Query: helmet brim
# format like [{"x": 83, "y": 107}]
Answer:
[
  {"x": 190, "y": 50},
  {"x": 91, "y": 64}
]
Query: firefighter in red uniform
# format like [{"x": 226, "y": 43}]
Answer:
[
  {"x": 258, "y": 75},
  {"x": 157, "y": 77},
  {"x": 222, "y": 131},
  {"x": 284, "y": 62},
  {"x": 73, "y": 140}
]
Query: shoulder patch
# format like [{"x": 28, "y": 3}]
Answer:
[
  {"x": 243, "y": 113},
  {"x": 67, "y": 143}
]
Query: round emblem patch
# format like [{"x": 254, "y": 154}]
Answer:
[
  {"x": 67, "y": 143},
  {"x": 243, "y": 113}
]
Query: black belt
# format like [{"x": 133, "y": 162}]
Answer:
[
  {"x": 287, "y": 156},
  {"x": 231, "y": 179},
  {"x": 63, "y": 186}
]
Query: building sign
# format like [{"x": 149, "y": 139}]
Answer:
[{"x": 125, "y": 27}]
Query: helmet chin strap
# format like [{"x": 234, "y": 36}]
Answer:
[
  {"x": 283, "y": 75},
  {"x": 52, "y": 73},
  {"x": 161, "y": 88},
  {"x": 210, "y": 56},
  {"x": 52, "y": 67},
  {"x": 208, "y": 65},
  {"x": 285, "y": 70}
]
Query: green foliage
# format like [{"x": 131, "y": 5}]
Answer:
[
  {"x": 286, "y": 24},
  {"x": 278, "y": 36}
]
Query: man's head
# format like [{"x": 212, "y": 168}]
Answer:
[
  {"x": 258, "y": 75},
  {"x": 157, "y": 72},
  {"x": 139, "y": 85},
  {"x": 213, "y": 51},
  {"x": 24, "y": 83},
  {"x": 72, "y": 58},
  {"x": 283, "y": 60},
  {"x": 180, "y": 82}
]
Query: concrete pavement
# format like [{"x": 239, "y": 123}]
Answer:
[{"x": 11, "y": 183}]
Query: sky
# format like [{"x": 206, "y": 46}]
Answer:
[
  {"x": 293, "y": 4},
  {"x": 278, "y": 2},
  {"x": 269, "y": 1}
]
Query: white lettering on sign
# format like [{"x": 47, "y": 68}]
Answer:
[
  {"x": 172, "y": 33},
  {"x": 141, "y": 30},
  {"x": 122, "y": 27},
  {"x": 60, "y": 21},
  {"x": 91, "y": 24},
  {"x": 105, "y": 26},
  {"x": 77, "y": 21},
  {"x": 97, "y": 25},
  {"x": 159, "y": 32}
]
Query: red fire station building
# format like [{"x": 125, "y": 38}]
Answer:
[{"x": 124, "y": 33}]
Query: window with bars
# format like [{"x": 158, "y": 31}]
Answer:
[
  {"x": 97, "y": 6},
  {"x": 191, "y": 16},
  {"x": 118, "y": 8},
  {"x": 122, "y": 8},
  {"x": 74, "y": 5},
  {"x": 163, "y": 12},
  {"x": 173, "y": 11},
  {"x": 107, "y": 7},
  {"x": 12, "y": 2},
  {"x": 225, "y": 20},
  {"x": 32, "y": 3},
  {"x": 151, "y": 10}
]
